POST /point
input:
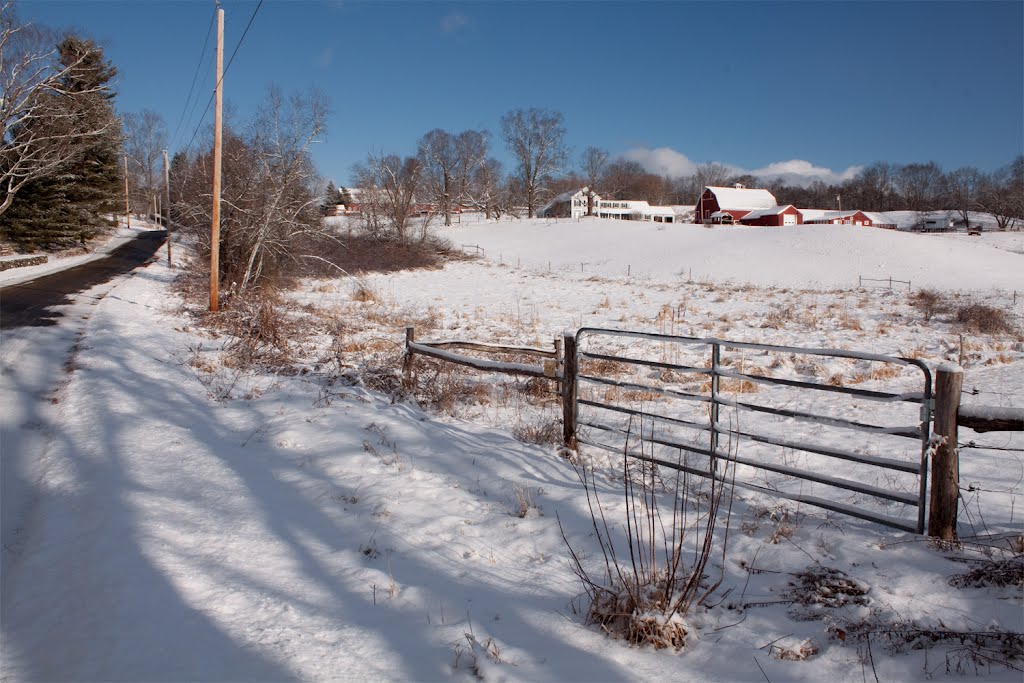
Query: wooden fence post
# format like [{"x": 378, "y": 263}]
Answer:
[
  {"x": 569, "y": 371},
  {"x": 559, "y": 363},
  {"x": 407, "y": 362},
  {"x": 942, "y": 511}
]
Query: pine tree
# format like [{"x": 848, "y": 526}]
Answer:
[
  {"x": 74, "y": 204},
  {"x": 331, "y": 197}
]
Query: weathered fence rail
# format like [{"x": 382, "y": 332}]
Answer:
[{"x": 442, "y": 350}]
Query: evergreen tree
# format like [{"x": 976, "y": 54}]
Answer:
[
  {"x": 331, "y": 198},
  {"x": 72, "y": 205}
]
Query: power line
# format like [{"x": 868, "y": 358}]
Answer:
[
  {"x": 232, "y": 58},
  {"x": 195, "y": 77},
  {"x": 233, "y": 53}
]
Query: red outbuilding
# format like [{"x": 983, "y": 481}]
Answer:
[{"x": 775, "y": 216}]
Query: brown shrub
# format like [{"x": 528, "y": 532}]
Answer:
[
  {"x": 983, "y": 318},
  {"x": 929, "y": 302}
]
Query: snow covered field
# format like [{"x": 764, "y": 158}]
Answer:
[{"x": 163, "y": 532}]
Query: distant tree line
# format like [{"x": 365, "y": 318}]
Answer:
[
  {"x": 879, "y": 187},
  {"x": 456, "y": 170}
]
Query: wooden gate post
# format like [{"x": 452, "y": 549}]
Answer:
[
  {"x": 569, "y": 370},
  {"x": 407, "y": 367},
  {"x": 945, "y": 455}
]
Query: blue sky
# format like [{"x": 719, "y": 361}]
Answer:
[{"x": 817, "y": 87}]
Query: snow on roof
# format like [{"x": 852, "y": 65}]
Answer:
[
  {"x": 878, "y": 219},
  {"x": 566, "y": 196},
  {"x": 813, "y": 214},
  {"x": 771, "y": 211},
  {"x": 733, "y": 198},
  {"x": 827, "y": 215}
]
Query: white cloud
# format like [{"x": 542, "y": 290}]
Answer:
[
  {"x": 800, "y": 172},
  {"x": 453, "y": 22},
  {"x": 667, "y": 161},
  {"x": 325, "y": 58},
  {"x": 663, "y": 161}
]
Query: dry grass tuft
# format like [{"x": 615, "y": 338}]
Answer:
[
  {"x": 547, "y": 432},
  {"x": 365, "y": 294},
  {"x": 638, "y": 616},
  {"x": 523, "y": 501}
]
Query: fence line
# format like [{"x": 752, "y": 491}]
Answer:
[
  {"x": 549, "y": 369},
  {"x": 939, "y": 414},
  {"x": 861, "y": 280}
]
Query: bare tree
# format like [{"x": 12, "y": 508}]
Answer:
[
  {"x": 486, "y": 190},
  {"x": 438, "y": 160},
  {"x": 920, "y": 186},
  {"x": 145, "y": 138},
  {"x": 1002, "y": 194},
  {"x": 964, "y": 186},
  {"x": 42, "y": 117},
  {"x": 711, "y": 174},
  {"x": 270, "y": 191},
  {"x": 471, "y": 148},
  {"x": 388, "y": 185},
  {"x": 536, "y": 139},
  {"x": 592, "y": 165}
]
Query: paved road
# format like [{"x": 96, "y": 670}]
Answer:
[{"x": 34, "y": 303}]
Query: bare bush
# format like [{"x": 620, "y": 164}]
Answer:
[
  {"x": 992, "y": 572},
  {"x": 930, "y": 303},
  {"x": 644, "y": 591},
  {"x": 977, "y": 317}
]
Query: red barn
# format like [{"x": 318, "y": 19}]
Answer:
[
  {"x": 775, "y": 216},
  {"x": 730, "y": 204}
]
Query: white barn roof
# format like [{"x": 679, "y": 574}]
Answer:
[
  {"x": 773, "y": 211},
  {"x": 744, "y": 199}
]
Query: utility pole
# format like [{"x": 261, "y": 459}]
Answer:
[
  {"x": 127, "y": 204},
  {"x": 217, "y": 124},
  {"x": 167, "y": 218}
]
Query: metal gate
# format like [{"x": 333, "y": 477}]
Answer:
[{"x": 840, "y": 430}]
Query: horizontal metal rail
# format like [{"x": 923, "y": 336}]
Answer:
[
  {"x": 649, "y": 363},
  {"x": 716, "y": 429},
  {"x": 724, "y": 343},
  {"x": 911, "y": 397},
  {"x": 825, "y": 504},
  {"x": 914, "y": 397},
  {"x": 887, "y": 463},
  {"x": 913, "y": 432},
  {"x": 702, "y": 426},
  {"x": 643, "y": 387},
  {"x": 856, "y": 487}
]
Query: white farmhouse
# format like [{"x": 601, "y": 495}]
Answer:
[{"x": 575, "y": 204}]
